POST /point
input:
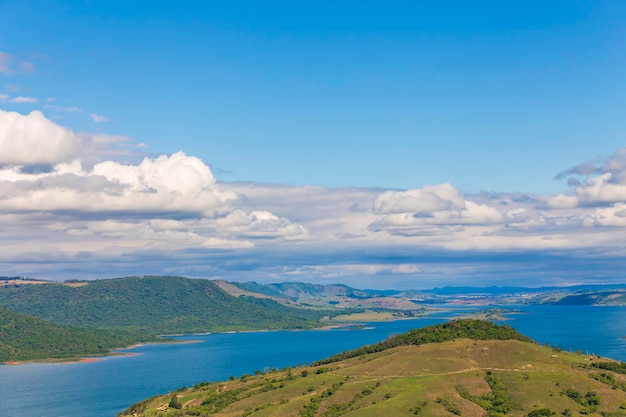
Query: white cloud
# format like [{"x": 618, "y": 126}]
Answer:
[
  {"x": 563, "y": 201},
  {"x": 98, "y": 118},
  {"x": 608, "y": 216},
  {"x": 604, "y": 182},
  {"x": 72, "y": 195},
  {"x": 420, "y": 211},
  {"x": 33, "y": 139},
  {"x": 260, "y": 224},
  {"x": 423, "y": 200},
  {"x": 23, "y": 99},
  {"x": 605, "y": 188},
  {"x": 162, "y": 204},
  {"x": 4, "y": 97},
  {"x": 161, "y": 185}
]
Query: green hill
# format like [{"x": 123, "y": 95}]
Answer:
[
  {"x": 25, "y": 338},
  {"x": 153, "y": 305},
  {"x": 465, "y": 368}
]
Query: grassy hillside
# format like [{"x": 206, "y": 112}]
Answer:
[
  {"x": 24, "y": 338},
  {"x": 445, "y": 370},
  {"x": 336, "y": 296},
  {"x": 300, "y": 290},
  {"x": 153, "y": 305}
]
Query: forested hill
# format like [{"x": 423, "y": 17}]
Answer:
[
  {"x": 23, "y": 337},
  {"x": 153, "y": 305}
]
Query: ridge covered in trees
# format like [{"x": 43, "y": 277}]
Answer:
[
  {"x": 153, "y": 305},
  {"x": 25, "y": 338}
]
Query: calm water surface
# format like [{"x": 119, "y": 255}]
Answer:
[{"x": 105, "y": 388}]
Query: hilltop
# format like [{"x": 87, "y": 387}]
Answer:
[{"x": 464, "y": 368}]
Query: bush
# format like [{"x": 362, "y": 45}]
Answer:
[{"x": 539, "y": 413}]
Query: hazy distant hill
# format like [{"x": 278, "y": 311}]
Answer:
[
  {"x": 333, "y": 295},
  {"x": 415, "y": 302},
  {"x": 153, "y": 305},
  {"x": 465, "y": 368},
  {"x": 300, "y": 290},
  {"x": 23, "y": 337}
]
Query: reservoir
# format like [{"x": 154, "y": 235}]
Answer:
[{"x": 106, "y": 387}]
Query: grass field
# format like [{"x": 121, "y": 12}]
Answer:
[{"x": 463, "y": 377}]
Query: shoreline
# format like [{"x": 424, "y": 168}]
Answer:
[{"x": 121, "y": 350}]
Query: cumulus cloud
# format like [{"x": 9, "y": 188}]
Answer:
[
  {"x": 421, "y": 211},
  {"x": 604, "y": 181},
  {"x": 608, "y": 216},
  {"x": 97, "y": 199},
  {"x": 165, "y": 184},
  {"x": 563, "y": 201},
  {"x": 260, "y": 224},
  {"x": 112, "y": 208},
  {"x": 33, "y": 139},
  {"x": 423, "y": 200},
  {"x": 605, "y": 188}
]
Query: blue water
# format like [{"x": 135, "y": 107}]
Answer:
[{"x": 105, "y": 388}]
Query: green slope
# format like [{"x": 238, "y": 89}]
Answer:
[
  {"x": 462, "y": 369},
  {"x": 456, "y": 329},
  {"x": 153, "y": 305},
  {"x": 24, "y": 338}
]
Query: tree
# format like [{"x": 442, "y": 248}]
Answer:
[{"x": 175, "y": 402}]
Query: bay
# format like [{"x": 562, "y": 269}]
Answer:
[{"x": 106, "y": 387}]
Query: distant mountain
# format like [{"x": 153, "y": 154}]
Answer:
[
  {"x": 25, "y": 338},
  {"x": 337, "y": 296},
  {"x": 604, "y": 297},
  {"x": 495, "y": 290},
  {"x": 464, "y": 368},
  {"x": 297, "y": 291},
  {"x": 153, "y": 305}
]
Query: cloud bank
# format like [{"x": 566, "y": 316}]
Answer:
[{"x": 82, "y": 205}]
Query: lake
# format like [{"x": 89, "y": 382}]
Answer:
[{"x": 106, "y": 387}]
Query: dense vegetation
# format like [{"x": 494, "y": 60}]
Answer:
[
  {"x": 456, "y": 329},
  {"x": 23, "y": 337},
  {"x": 153, "y": 305},
  {"x": 498, "y": 374}
]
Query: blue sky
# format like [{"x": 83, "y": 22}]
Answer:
[{"x": 314, "y": 125}]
